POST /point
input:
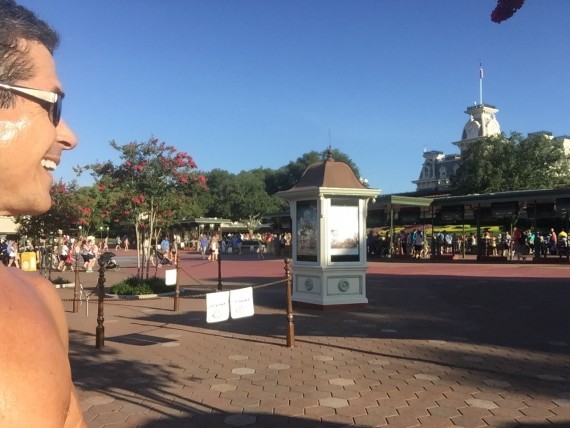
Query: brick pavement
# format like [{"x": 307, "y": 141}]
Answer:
[{"x": 438, "y": 345}]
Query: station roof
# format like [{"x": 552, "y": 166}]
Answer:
[
  {"x": 529, "y": 196},
  {"x": 401, "y": 201}
]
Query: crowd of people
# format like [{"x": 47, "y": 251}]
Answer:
[
  {"x": 210, "y": 246},
  {"x": 520, "y": 243},
  {"x": 61, "y": 253},
  {"x": 81, "y": 253},
  {"x": 71, "y": 253}
]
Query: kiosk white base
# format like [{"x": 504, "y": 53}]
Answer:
[{"x": 329, "y": 288}]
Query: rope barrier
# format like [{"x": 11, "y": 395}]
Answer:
[{"x": 129, "y": 298}]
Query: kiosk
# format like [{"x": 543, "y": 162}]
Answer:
[{"x": 328, "y": 211}]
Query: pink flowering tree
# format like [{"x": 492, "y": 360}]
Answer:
[
  {"x": 68, "y": 212},
  {"x": 149, "y": 188}
]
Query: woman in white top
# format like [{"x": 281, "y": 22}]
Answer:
[
  {"x": 214, "y": 247},
  {"x": 14, "y": 258},
  {"x": 63, "y": 255}
]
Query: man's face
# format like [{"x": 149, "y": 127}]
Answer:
[{"x": 30, "y": 145}]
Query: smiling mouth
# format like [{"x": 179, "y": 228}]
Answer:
[{"x": 48, "y": 164}]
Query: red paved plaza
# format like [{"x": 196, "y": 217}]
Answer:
[{"x": 438, "y": 345}]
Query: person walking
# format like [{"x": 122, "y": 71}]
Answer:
[
  {"x": 203, "y": 245},
  {"x": 214, "y": 248},
  {"x": 13, "y": 254},
  {"x": 63, "y": 256}
]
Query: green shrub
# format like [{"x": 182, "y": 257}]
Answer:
[
  {"x": 59, "y": 280},
  {"x": 134, "y": 285},
  {"x": 143, "y": 289},
  {"x": 122, "y": 288},
  {"x": 158, "y": 285}
]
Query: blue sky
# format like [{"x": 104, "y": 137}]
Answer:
[{"x": 257, "y": 83}]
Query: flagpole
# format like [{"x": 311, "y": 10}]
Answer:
[{"x": 480, "y": 83}]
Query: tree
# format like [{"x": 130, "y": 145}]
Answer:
[
  {"x": 287, "y": 176},
  {"x": 149, "y": 189},
  {"x": 251, "y": 198},
  {"x": 249, "y": 194},
  {"x": 66, "y": 210},
  {"x": 505, "y": 9},
  {"x": 499, "y": 164},
  {"x": 220, "y": 187},
  {"x": 239, "y": 197}
]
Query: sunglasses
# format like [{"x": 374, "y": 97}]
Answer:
[{"x": 51, "y": 100}]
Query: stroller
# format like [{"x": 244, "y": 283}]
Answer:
[
  {"x": 165, "y": 258},
  {"x": 106, "y": 260}
]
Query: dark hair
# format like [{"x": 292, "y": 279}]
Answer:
[{"x": 16, "y": 24}]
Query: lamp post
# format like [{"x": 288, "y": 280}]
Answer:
[
  {"x": 107, "y": 231},
  {"x": 101, "y": 233}
]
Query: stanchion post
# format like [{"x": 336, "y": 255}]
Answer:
[
  {"x": 290, "y": 326},
  {"x": 177, "y": 285},
  {"x": 104, "y": 259},
  {"x": 220, "y": 261}
]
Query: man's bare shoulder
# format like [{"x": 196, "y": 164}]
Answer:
[
  {"x": 28, "y": 288},
  {"x": 17, "y": 275},
  {"x": 34, "y": 352}
]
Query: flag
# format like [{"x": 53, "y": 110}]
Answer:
[{"x": 480, "y": 72}]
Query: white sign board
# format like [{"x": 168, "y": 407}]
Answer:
[
  {"x": 222, "y": 304},
  {"x": 217, "y": 306},
  {"x": 241, "y": 303},
  {"x": 170, "y": 277}
]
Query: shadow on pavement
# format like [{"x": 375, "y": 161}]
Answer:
[
  {"x": 514, "y": 332},
  {"x": 151, "y": 394}
]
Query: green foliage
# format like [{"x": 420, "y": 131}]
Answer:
[
  {"x": 154, "y": 181},
  {"x": 249, "y": 194},
  {"x": 157, "y": 285},
  {"x": 287, "y": 176},
  {"x": 240, "y": 196},
  {"x": 65, "y": 211},
  {"x": 500, "y": 164},
  {"x": 151, "y": 188},
  {"x": 134, "y": 285},
  {"x": 154, "y": 185}
]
